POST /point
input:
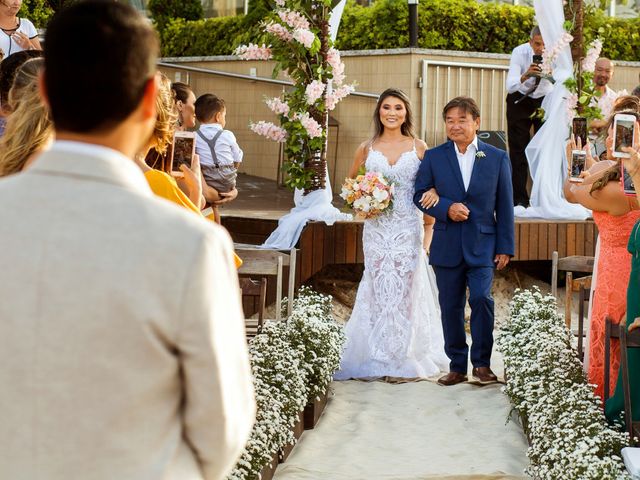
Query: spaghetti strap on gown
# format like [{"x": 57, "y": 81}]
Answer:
[{"x": 395, "y": 328}]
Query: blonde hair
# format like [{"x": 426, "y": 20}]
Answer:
[
  {"x": 166, "y": 116},
  {"x": 28, "y": 128},
  {"x": 26, "y": 75}
]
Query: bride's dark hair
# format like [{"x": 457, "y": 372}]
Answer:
[{"x": 407, "y": 127}]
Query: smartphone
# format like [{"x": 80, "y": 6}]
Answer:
[
  {"x": 578, "y": 161},
  {"x": 184, "y": 146},
  {"x": 623, "y": 134},
  {"x": 627, "y": 183},
  {"x": 580, "y": 130},
  {"x": 537, "y": 59}
]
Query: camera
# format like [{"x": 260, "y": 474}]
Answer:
[
  {"x": 578, "y": 161},
  {"x": 537, "y": 59}
]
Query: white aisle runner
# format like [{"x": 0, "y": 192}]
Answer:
[{"x": 410, "y": 431}]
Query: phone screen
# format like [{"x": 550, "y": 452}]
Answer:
[
  {"x": 627, "y": 182},
  {"x": 182, "y": 152},
  {"x": 578, "y": 160},
  {"x": 580, "y": 130},
  {"x": 624, "y": 134}
]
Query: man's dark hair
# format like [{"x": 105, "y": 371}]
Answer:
[
  {"x": 208, "y": 106},
  {"x": 99, "y": 57},
  {"x": 464, "y": 104},
  {"x": 8, "y": 69}
]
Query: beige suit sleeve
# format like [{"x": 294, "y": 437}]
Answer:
[{"x": 219, "y": 407}]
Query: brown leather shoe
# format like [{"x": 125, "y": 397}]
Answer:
[
  {"x": 484, "y": 375},
  {"x": 452, "y": 378}
]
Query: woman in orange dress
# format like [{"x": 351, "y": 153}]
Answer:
[{"x": 615, "y": 215}]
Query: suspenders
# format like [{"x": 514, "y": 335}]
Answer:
[{"x": 212, "y": 145}]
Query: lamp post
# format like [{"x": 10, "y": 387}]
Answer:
[{"x": 413, "y": 23}]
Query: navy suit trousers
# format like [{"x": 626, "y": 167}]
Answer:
[{"x": 452, "y": 287}]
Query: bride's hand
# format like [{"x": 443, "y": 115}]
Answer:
[
  {"x": 635, "y": 324},
  {"x": 429, "y": 199}
]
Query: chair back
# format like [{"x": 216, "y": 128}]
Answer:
[{"x": 265, "y": 262}]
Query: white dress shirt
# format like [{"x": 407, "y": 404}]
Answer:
[
  {"x": 521, "y": 60},
  {"x": 466, "y": 161},
  {"x": 227, "y": 149},
  {"x": 606, "y": 101}
]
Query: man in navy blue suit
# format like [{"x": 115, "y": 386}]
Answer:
[{"x": 473, "y": 234}]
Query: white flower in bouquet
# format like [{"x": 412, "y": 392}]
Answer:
[
  {"x": 380, "y": 195},
  {"x": 368, "y": 195}
]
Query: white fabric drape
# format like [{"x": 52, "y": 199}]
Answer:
[
  {"x": 316, "y": 206},
  {"x": 546, "y": 151}
]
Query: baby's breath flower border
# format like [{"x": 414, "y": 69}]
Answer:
[
  {"x": 569, "y": 437},
  {"x": 292, "y": 363}
]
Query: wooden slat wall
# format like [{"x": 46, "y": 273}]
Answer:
[
  {"x": 538, "y": 240},
  {"x": 321, "y": 245}
]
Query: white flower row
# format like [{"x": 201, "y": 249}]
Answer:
[
  {"x": 293, "y": 362},
  {"x": 568, "y": 434}
]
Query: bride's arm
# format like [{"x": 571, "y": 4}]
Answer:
[
  {"x": 428, "y": 222},
  {"x": 358, "y": 161}
]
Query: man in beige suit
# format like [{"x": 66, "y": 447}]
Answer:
[{"x": 122, "y": 351}]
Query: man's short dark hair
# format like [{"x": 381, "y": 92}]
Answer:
[
  {"x": 208, "y": 106},
  {"x": 99, "y": 57},
  {"x": 8, "y": 69},
  {"x": 464, "y": 104}
]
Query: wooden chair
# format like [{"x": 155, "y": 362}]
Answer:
[
  {"x": 256, "y": 291},
  {"x": 611, "y": 330},
  {"x": 581, "y": 286},
  {"x": 270, "y": 263},
  {"x": 628, "y": 340}
]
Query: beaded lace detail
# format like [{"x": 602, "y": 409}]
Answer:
[{"x": 395, "y": 328}]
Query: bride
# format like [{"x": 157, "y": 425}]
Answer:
[{"x": 395, "y": 328}]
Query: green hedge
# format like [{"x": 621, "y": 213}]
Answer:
[
  {"x": 443, "y": 24},
  {"x": 465, "y": 25}
]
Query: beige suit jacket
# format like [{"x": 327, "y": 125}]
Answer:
[{"x": 122, "y": 350}]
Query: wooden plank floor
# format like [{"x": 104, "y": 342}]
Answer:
[{"x": 254, "y": 215}]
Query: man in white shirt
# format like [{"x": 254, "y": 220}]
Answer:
[
  {"x": 123, "y": 352},
  {"x": 526, "y": 90}
]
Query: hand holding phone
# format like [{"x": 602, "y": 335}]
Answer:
[
  {"x": 623, "y": 134},
  {"x": 184, "y": 146},
  {"x": 579, "y": 128},
  {"x": 577, "y": 164}
]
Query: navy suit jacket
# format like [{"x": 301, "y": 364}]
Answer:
[{"x": 490, "y": 228}]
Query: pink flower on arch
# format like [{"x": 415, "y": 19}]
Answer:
[
  {"x": 313, "y": 128},
  {"x": 304, "y": 36},
  {"x": 269, "y": 130},
  {"x": 314, "y": 91},
  {"x": 279, "y": 31},
  {"x": 295, "y": 20},
  {"x": 277, "y": 106},
  {"x": 254, "y": 52},
  {"x": 332, "y": 99}
]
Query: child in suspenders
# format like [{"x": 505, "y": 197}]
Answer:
[{"x": 218, "y": 149}]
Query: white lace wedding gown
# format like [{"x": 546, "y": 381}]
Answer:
[{"x": 395, "y": 328}]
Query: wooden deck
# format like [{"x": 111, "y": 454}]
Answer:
[{"x": 254, "y": 215}]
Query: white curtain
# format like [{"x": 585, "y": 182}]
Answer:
[
  {"x": 546, "y": 151},
  {"x": 316, "y": 206}
]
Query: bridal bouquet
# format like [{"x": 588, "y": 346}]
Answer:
[{"x": 368, "y": 195}]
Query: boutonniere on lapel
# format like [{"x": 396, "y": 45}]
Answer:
[{"x": 480, "y": 154}]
